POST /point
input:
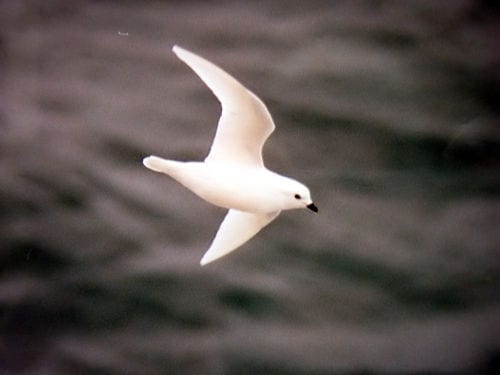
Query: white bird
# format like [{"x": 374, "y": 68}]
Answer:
[{"x": 233, "y": 174}]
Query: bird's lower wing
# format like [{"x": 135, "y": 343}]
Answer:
[{"x": 236, "y": 229}]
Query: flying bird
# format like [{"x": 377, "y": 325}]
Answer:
[{"x": 233, "y": 175}]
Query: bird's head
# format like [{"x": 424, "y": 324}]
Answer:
[{"x": 297, "y": 195}]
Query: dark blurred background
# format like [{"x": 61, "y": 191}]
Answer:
[{"x": 387, "y": 110}]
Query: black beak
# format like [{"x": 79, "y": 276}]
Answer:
[{"x": 312, "y": 207}]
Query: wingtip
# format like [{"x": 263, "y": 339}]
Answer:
[
  {"x": 177, "y": 49},
  {"x": 204, "y": 262},
  {"x": 209, "y": 257}
]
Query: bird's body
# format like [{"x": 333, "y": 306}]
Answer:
[
  {"x": 258, "y": 189},
  {"x": 233, "y": 175}
]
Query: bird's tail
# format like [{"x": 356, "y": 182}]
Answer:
[{"x": 158, "y": 164}]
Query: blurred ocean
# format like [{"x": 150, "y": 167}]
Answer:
[{"x": 387, "y": 110}]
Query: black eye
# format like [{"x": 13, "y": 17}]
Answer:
[{"x": 297, "y": 196}]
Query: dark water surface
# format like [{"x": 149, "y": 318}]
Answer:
[{"x": 386, "y": 109}]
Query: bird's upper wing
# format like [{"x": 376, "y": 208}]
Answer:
[
  {"x": 245, "y": 122},
  {"x": 236, "y": 229}
]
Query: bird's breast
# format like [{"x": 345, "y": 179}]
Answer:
[{"x": 244, "y": 189}]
